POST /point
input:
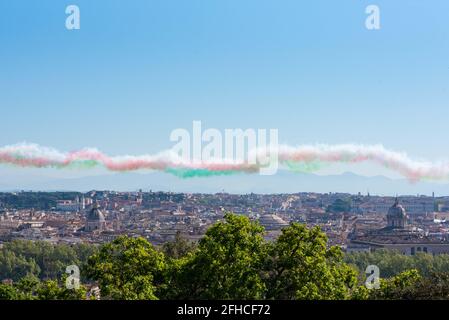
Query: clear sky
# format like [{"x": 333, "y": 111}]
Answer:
[{"x": 138, "y": 69}]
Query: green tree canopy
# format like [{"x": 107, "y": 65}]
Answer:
[
  {"x": 300, "y": 266},
  {"x": 392, "y": 263},
  {"x": 178, "y": 248},
  {"x": 226, "y": 264},
  {"x": 340, "y": 205},
  {"x": 396, "y": 287},
  {"x": 127, "y": 268},
  {"x": 19, "y": 258}
]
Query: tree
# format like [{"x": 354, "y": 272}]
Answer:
[
  {"x": 127, "y": 269},
  {"x": 232, "y": 261},
  {"x": 8, "y": 292},
  {"x": 31, "y": 288},
  {"x": 410, "y": 285},
  {"x": 392, "y": 263},
  {"x": 15, "y": 267},
  {"x": 27, "y": 287},
  {"x": 395, "y": 288},
  {"x": 226, "y": 264},
  {"x": 178, "y": 248},
  {"x": 44, "y": 260},
  {"x": 300, "y": 266},
  {"x": 52, "y": 290},
  {"x": 433, "y": 287},
  {"x": 340, "y": 205}
]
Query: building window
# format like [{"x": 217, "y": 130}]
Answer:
[
  {"x": 419, "y": 249},
  {"x": 425, "y": 249},
  {"x": 412, "y": 251}
]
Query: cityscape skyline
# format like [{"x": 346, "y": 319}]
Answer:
[
  {"x": 223, "y": 158},
  {"x": 229, "y": 158}
]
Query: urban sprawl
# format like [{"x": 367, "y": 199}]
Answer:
[{"x": 359, "y": 222}]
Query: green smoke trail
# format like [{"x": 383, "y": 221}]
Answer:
[
  {"x": 198, "y": 173},
  {"x": 304, "y": 167},
  {"x": 82, "y": 164}
]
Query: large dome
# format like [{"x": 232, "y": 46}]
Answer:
[
  {"x": 95, "y": 214},
  {"x": 272, "y": 221},
  {"x": 396, "y": 211}
]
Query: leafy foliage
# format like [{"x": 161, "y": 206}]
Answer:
[
  {"x": 34, "y": 200},
  {"x": 300, "y": 266},
  {"x": 232, "y": 261},
  {"x": 178, "y": 248},
  {"x": 127, "y": 269},
  {"x": 226, "y": 264},
  {"x": 31, "y": 288},
  {"x": 392, "y": 263},
  {"x": 41, "y": 259},
  {"x": 340, "y": 205},
  {"x": 395, "y": 287}
]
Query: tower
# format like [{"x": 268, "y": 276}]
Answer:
[{"x": 83, "y": 203}]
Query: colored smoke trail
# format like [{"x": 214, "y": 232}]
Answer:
[{"x": 308, "y": 158}]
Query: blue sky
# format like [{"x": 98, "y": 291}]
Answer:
[{"x": 138, "y": 69}]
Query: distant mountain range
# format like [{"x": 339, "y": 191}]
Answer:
[{"x": 283, "y": 182}]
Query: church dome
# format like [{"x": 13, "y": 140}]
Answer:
[
  {"x": 396, "y": 217},
  {"x": 272, "y": 221},
  {"x": 95, "y": 214},
  {"x": 396, "y": 211}
]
